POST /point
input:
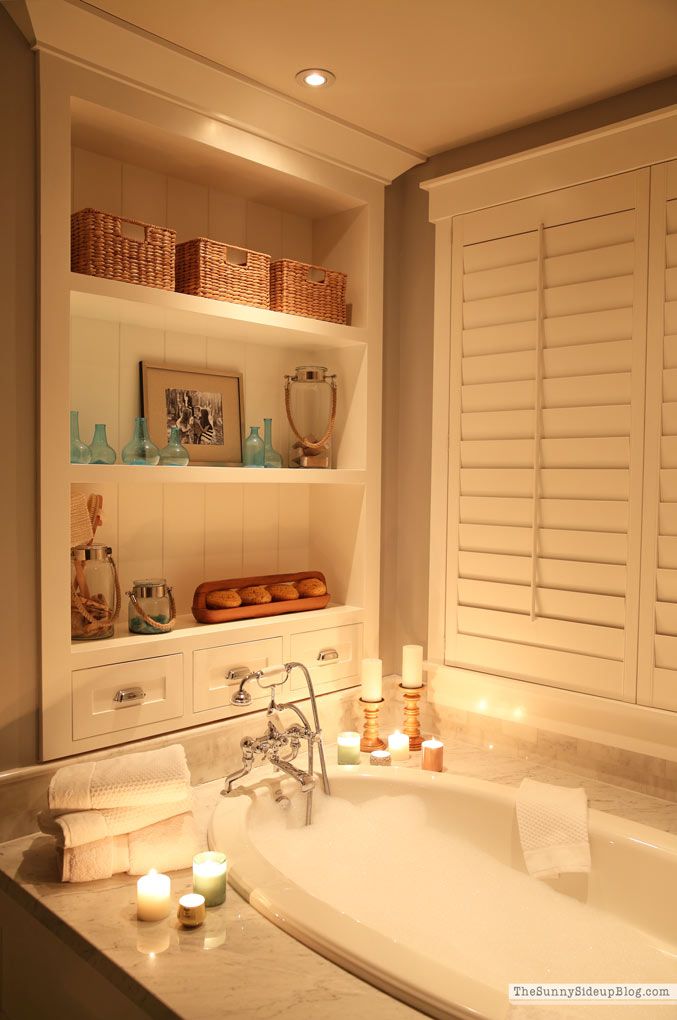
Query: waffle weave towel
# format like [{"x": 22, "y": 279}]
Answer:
[
  {"x": 132, "y": 780},
  {"x": 553, "y": 828},
  {"x": 75, "y": 828}
]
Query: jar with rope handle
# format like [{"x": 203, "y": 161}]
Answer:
[
  {"x": 151, "y": 607},
  {"x": 310, "y": 401}
]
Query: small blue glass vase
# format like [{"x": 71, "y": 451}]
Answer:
[
  {"x": 271, "y": 458},
  {"x": 80, "y": 452},
  {"x": 139, "y": 449},
  {"x": 254, "y": 449},
  {"x": 174, "y": 454},
  {"x": 101, "y": 452}
]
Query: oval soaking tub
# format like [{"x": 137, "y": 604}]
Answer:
[{"x": 415, "y": 882}]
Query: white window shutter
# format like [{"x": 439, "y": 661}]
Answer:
[
  {"x": 548, "y": 325},
  {"x": 657, "y": 679}
]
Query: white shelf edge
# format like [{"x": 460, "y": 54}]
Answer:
[
  {"x": 97, "y": 474},
  {"x": 113, "y": 301},
  {"x": 187, "y": 628}
]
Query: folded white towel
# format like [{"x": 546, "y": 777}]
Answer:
[
  {"x": 75, "y": 828},
  {"x": 132, "y": 780},
  {"x": 553, "y": 828},
  {"x": 166, "y": 846}
]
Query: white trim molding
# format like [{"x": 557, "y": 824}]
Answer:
[{"x": 93, "y": 40}]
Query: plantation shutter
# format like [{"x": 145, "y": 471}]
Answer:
[
  {"x": 657, "y": 680},
  {"x": 548, "y": 325}
]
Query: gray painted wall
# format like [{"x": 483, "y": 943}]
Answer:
[
  {"x": 408, "y": 356},
  {"x": 19, "y": 592}
]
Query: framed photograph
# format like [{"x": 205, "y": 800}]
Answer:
[{"x": 205, "y": 404}]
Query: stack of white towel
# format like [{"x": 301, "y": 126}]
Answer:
[{"x": 127, "y": 814}]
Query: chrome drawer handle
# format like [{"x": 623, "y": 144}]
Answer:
[
  {"x": 237, "y": 673},
  {"x": 327, "y": 655},
  {"x": 127, "y": 694}
]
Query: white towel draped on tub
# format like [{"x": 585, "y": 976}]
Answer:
[
  {"x": 134, "y": 780},
  {"x": 75, "y": 828},
  {"x": 165, "y": 846},
  {"x": 553, "y": 828}
]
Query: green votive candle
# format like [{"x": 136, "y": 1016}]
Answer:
[
  {"x": 209, "y": 876},
  {"x": 348, "y": 748}
]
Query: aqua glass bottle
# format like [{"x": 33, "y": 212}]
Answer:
[
  {"x": 254, "y": 449},
  {"x": 80, "y": 452},
  {"x": 271, "y": 458},
  {"x": 174, "y": 454},
  {"x": 101, "y": 452},
  {"x": 139, "y": 449}
]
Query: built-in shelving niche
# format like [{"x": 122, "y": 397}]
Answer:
[{"x": 206, "y": 522}]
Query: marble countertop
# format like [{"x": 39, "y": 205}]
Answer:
[{"x": 239, "y": 965}]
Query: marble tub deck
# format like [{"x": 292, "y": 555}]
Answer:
[{"x": 256, "y": 971}]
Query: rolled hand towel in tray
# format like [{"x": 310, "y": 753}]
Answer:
[
  {"x": 165, "y": 846},
  {"x": 553, "y": 828},
  {"x": 132, "y": 780},
  {"x": 75, "y": 828}
]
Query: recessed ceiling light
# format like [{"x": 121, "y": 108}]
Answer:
[{"x": 315, "y": 77}]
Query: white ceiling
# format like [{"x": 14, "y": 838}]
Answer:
[{"x": 427, "y": 74}]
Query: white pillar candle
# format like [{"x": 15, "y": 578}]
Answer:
[
  {"x": 209, "y": 876},
  {"x": 348, "y": 748},
  {"x": 433, "y": 755},
  {"x": 398, "y": 745},
  {"x": 412, "y": 666},
  {"x": 372, "y": 680},
  {"x": 153, "y": 892}
]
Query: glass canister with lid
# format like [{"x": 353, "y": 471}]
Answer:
[
  {"x": 151, "y": 607},
  {"x": 95, "y": 592}
]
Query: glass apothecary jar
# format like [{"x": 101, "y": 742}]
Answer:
[
  {"x": 95, "y": 593},
  {"x": 151, "y": 607}
]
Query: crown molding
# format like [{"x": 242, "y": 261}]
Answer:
[{"x": 98, "y": 42}]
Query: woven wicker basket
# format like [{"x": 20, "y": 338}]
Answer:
[
  {"x": 99, "y": 247},
  {"x": 223, "y": 272},
  {"x": 303, "y": 289}
]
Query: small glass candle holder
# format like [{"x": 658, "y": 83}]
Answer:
[
  {"x": 348, "y": 748},
  {"x": 380, "y": 758},
  {"x": 191, "y": 911},
  {"x": 209, "y": 876}
]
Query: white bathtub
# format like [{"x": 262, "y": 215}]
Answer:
[{"x": 415, "y": 882}]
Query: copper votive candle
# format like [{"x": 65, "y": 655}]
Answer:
[
  {"x": 380, "y": 757},
  {"x": 433, "y": 755},
  {"x": 191, "y": 910}
]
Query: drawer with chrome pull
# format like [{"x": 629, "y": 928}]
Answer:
[
  {"x": 126, "y": 695},
  {"x": 332, "y": 655},
  {"x": 218, "y": 671}
]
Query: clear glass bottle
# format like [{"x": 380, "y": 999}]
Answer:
[
  {"x": 310, "y": 399},
  {"x": 80, "y": 452},
  {"x": 139, "y": 449},
  {"x": 151, "y": 607},
  {"x": 95, "y": 593},
  {"x": 174, "y": 454},
  {"x": 254, "y": 449},
  {"x": 101, "y": 451},
  {"x": 271, "y": 458}
]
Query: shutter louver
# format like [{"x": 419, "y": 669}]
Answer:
[
  {"x": 657, "y": 680},
  {"x": 547, "y": 435}
]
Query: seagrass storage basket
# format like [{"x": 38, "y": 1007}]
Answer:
[
  {"x": 303, "y": 289},
  {"x": 223, "y": 272},
  {"x": 119, "y": 248}
]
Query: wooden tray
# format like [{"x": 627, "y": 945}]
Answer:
[{"x": 204, "y": 615}]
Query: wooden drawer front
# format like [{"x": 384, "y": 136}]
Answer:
[
  {"x": 97, "y": 710},
  {"x": 315, "y": 650},
  {"x": 211, "y": 686}
]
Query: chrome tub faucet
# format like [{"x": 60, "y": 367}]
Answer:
[{"x": 280, "y": 747}]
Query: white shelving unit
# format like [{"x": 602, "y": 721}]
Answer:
[{"x": 106, "y": 144}]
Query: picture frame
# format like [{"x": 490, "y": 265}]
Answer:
[{"x": 206, "y": 404}]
